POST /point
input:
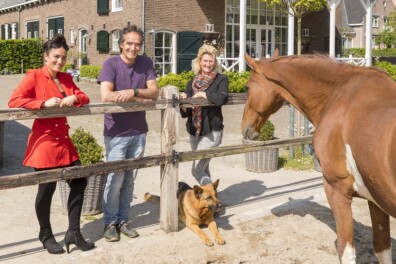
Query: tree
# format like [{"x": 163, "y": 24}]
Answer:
[
  {"x": 386, "y": 37},
  {"x": 298, "y": 9}
]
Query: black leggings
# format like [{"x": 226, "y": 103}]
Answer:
[{"x": 74, "y": 203}]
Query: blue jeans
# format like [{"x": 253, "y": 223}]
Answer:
[
  {"x": 118, "y": 191},
  {"x": 200, "y": 168}
]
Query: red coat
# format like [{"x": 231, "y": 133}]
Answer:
[{"x": 49, "y": 144}]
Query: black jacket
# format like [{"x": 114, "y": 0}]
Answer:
[{"x": 212, "y": 118}]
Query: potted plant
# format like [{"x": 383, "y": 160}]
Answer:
[
  {"x": 265, "y": 160},
  {"x": 90, "y": 152}
]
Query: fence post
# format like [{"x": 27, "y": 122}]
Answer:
[{"x": 169, "y": 171}]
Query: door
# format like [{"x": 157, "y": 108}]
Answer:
[
  {"x": 260, "y": 41},
  {"x": 188, "y": 44},
  {"x": 83, "y": 48}
]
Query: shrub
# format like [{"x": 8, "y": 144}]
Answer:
[
  {"x": 237, "y": 80},
  {"x": 90, "y": 71},
  {"x": 388, "y": 67},
  {"x": 178, "y": 80},
  {"x": 87, "y": 147},
  {"x": 267, "y": 131},
  {"x": 20, "y": 53}
]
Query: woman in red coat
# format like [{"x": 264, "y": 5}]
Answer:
[{"x": 49, "y": 145}]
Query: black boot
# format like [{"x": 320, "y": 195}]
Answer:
[
  {"x": 49, "y": 242},
  {"x": 76, "y": 238}
]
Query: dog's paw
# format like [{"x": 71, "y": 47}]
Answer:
[
  {"x": 220, "y": 240},
  {"x": 208, "y": 242}
]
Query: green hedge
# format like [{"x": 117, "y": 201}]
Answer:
[
  {"x": 14, "y": 52},
  {"x": 237, "y": 80},
  {"x": 361, "y": 52},
  {"x": 90, "y": 71},
  {"x": 388, "y": 67}
]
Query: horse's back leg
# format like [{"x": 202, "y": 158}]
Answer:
[
  {"x": 341, "y": 207},
  {"x": 381, "y": 234}
]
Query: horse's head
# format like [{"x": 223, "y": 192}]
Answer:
[{"x": 262, "y": 99}]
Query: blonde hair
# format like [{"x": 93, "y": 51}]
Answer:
[{"x": 205, "y": 49}]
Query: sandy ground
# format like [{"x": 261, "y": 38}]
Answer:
[{"x": 279, "y": 217}]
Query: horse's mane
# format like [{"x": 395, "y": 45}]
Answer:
[{"x": 322, "y": 57}]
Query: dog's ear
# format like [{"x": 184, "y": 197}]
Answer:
[
  {"x": 216, "y": 184},
  {"x": 197, "y": 191}
]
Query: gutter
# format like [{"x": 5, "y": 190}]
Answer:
[{"x": 19, "y": 5}]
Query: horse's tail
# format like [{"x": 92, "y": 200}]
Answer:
[{"x": 152, "y": 198}]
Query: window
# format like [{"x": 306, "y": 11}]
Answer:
[
  {"x": 163, "y": 57},
  {"x": 116, "y": 5},
  {"x": 32, "y": 29},
  {"x": 72, "y": 37},
  {"x": 6, "y": 30},
  {"x": 102, "y": 41},
  {"x": 375, "y": 22},
  {"x": 115, "y": 36},
  {"x": 14, "y": 30},
  {"x": 83, "y": 47},
  {"x": 103, "y": 7},
  {"x": 55, "y": 26},
  {"x": 305, "y": 32}
]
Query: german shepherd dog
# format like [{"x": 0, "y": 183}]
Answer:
[{"x": 196, "y": 207}]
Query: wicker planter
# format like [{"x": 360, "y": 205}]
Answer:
[
  {"x": 265, "y": 160},
  {"x": 93, "y": 195}
]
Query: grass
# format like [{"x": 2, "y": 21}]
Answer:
[{"x": 300, "y": 161}]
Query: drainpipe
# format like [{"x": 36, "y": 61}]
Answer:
[
  {"x": 144, "y": 23},
  {"x": 19, "y": 22}
]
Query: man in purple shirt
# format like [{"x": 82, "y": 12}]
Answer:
[{"x": 124, "y": 78}]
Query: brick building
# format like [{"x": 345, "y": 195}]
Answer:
[{"x": 173, "y": 29}]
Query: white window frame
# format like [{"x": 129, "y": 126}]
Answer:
[
  {"x": 375, "y": 22},
  {"x": 72, "y": 37},
  {"x": 305, "y": 32},
  {"x": 6, "y": 31},
  {"x": 171, "y": 48},
  {"x": 13, "y": 31},
  {"x": 115, "y": 36},
  {"x": 116, "y": 5}
]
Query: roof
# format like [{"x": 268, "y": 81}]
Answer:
[
  {"x": 354, "y": 12},
  {"x": 4, "y": 4}
]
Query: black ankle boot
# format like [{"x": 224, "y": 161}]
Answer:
[
  {"x": 76, "y": 238},
  {"x": 49, "y": 243}
]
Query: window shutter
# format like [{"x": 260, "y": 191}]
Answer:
[
  {"x": 16, "y": 30},
  {"x": 102, "y": 41},
  {"x": 9, "y": 31},
  {"x": 103, "y": 7},
  {"x": 2, "y": 31}
]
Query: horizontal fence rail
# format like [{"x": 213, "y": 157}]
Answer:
[
  {"x": 69, "y": 173},
  {"x": 102, "y": 108}
]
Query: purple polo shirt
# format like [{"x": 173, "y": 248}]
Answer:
[{"x": 125, "y": 76}]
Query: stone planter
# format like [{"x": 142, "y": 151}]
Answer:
[{"x": 265, "y": 160}]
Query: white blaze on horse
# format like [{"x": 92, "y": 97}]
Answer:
[{"x": 354, "y": 112}]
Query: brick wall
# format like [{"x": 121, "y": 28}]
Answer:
[{"x": 77, "y": 15}]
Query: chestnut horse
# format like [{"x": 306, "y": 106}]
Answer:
[{"x": 353, "y": 110}]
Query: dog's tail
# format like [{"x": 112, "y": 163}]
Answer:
[{"x": 151, "y": 198}]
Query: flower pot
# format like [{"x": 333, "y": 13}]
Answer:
[
  {"x": 265, "y": 160},
  {"x": 93, "y": 195}
]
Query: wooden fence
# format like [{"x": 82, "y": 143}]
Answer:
[{"x": 168, "y": 159}]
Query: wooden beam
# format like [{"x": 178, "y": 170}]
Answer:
[{"x": 33, "y": 178}]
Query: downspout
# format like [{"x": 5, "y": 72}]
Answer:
[
  {"x": 19, "y": 22},
  {"x": 144, "y": 24}
]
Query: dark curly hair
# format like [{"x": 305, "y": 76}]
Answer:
[
  {"x": 56, "y": 42},
  {"x": 129, "y": 29}
]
